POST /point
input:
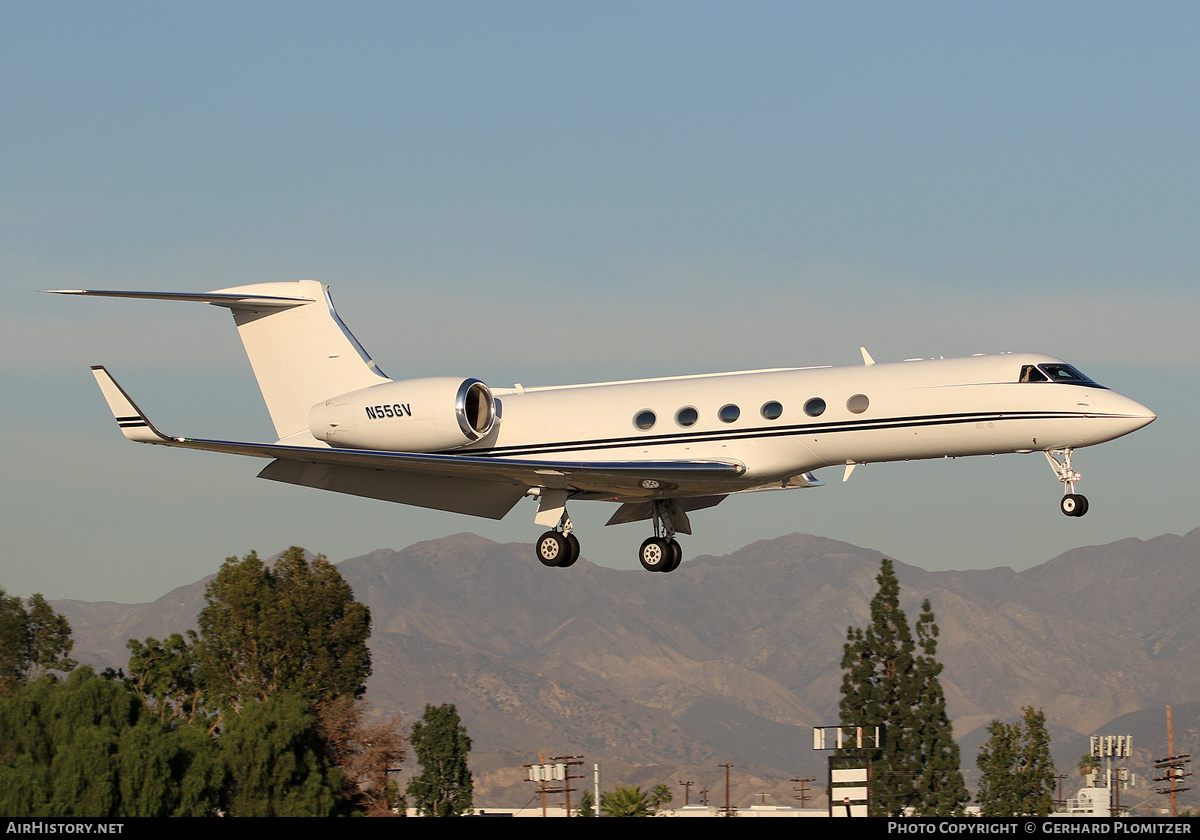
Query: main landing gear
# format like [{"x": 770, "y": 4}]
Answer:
[
  {"x": 662, "y": 552},
  {"x": 1072, "y": 504},
  {"x": 559, "y": 548},
  {"x": 659, "y": 554}
]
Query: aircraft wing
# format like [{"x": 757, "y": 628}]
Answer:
[{"x": 475, "y": 484}]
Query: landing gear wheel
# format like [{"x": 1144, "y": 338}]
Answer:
[
  {"x": 655, "y": 555},
  {"x": 676, "y": 555},
  {"x": 1074, "y": 504},
  {"x": 553, "y": 549},
  {"x": 572, "y": 552}
]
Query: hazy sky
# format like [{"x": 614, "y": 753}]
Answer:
[{"x": 560, "y": 192}]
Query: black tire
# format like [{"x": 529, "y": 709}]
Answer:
[
  {"x": 552, "y": 549},
  {"x": 572, "y": 552},
  {"x": 676, "y": 555},
  {"x": 655, "y": 555},
  {"x": 1073, "y": 504}
]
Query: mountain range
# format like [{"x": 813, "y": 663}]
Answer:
[{"x": 733, "y": 660}]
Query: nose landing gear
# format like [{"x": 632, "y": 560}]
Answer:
[{"x": 1072, "y": 504}]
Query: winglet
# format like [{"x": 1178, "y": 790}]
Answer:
[
  {"x": 867, "y": 360},
  {"x": 134, "y": 424}
]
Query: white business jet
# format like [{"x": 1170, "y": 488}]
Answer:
[{"x": 660, "y": 448}]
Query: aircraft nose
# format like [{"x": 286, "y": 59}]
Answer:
[
  {"x": 1133, "y": 414},
  {"x": 1138, "y": 411}
]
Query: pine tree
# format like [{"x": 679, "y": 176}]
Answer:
[
  {"x": 941, "y": 790},
  {"x": 444, "y": 787},
  {"x": 887, "y": 684},
  {"x": 1018, "y": 772}
]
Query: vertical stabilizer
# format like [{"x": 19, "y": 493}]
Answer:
[{"x": 301, "y": 353}]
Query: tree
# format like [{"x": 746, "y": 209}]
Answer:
[
  {"x": 292, "y": 630},
  {"x": 626, "y": 802},
  {"x": 295, "y": 628},
  {"x": 941, "y": 790},
  {"x": 34, "y": 640},
  {"x": 88, "y": 747},
  {"x": 1088, "y": 764},
  {"x": 276, "y": 761},
  {"x": 367, "y": 752},
  {"x": 164, "y": 674},
  {"x": 887, "y": 684},
  {"x": 660, "y": 796},
  {"x": 444, "y": 787},
  {"x": 587, "y": 805},
  {"x": 1017, "y": 770}
]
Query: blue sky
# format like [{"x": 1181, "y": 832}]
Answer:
[{"x": 563, "y": 192}]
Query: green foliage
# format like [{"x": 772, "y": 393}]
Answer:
[
  {"x": 293, "y": 628},
  {"x": 660, "y": 796},
  {"x": 626, "y": 801},
  {"x": 253, "y": 715},
  {"x": 887, "y": 683},
  {"x": 164, "y": 674},
  {"x": 587, "y": 805},
  {"x": 34, "y": 640},
  {"x": 940, "y": 788},
  {"x": 89, "y": 747},
  {"x": 1018, "y": 772},
  {"x": 276, "y": 763},
  {"x": 444, "y": 787}
]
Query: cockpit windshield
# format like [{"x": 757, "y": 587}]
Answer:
[{"x": 1064, "y": 374}]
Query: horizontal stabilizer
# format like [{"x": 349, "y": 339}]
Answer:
[{"x": 231, "y": 301}]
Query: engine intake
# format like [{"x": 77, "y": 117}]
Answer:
[{"x": 413, "y": 415}]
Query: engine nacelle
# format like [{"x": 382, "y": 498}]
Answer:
[{"x": 413, "y": 415}]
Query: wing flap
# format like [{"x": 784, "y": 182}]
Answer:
[{"x": 477, "y": 498}]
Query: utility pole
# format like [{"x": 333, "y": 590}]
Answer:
[
  {"x": 728, "y": 810},
  {"x": 1060, "y": 803},
  {"x": 1175, "y": 767},
  {"x": 801, "y": 794},
  {"x": 553, "y": 775},
  {"x": 687, "y": 789}
]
